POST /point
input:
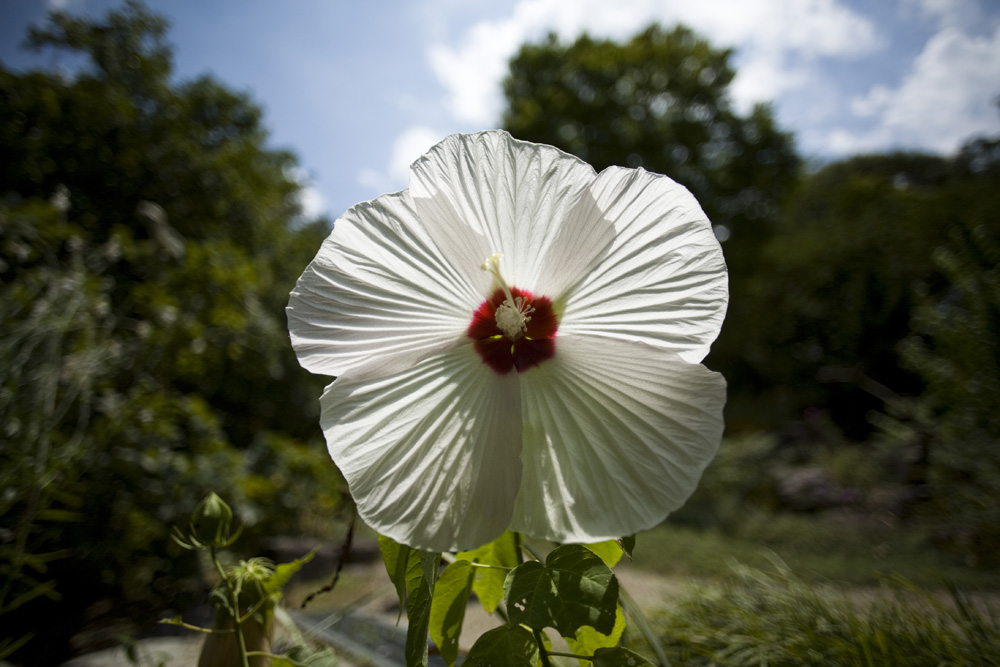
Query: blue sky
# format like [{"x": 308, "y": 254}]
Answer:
[{"x": 359, "y": 89}]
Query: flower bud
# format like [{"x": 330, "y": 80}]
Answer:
[{"x": 211, "y": 522}]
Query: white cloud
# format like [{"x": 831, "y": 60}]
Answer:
[
  {"x": 776, "y": 40},
  {"x": 948, "y": 95},
  {"x": 407, "y": 147},
  {"x": 312, "y": 202}
]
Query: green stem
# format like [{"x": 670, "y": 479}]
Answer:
[
  {"x": 450, "y": 558},
  {"x": 196, "y": 628},
  {"x": 254, "y": 609},
  {"x": 542, "y": 653},
  {"x": 235, "y": 602}
]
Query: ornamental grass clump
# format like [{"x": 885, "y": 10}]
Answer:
[{"x": 775, "y": 618}]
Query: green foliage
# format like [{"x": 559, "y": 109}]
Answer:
[
  {"x": 881, "y": 288},
  {"x": 573, "y": 588},
  {"x": 500, "y": 556},
  {"x": 148, "y": 240},
  {"x": 573, "y": 591},
  {"x": 245, "y": 598},
  {"x": 589, "y": 641},
  {"x": 451, "y": 596},
  {"x": 506, "y": 646},
  {"x": 758, "y": 618},
  {"x": 414, "y": 573},
  {"x": 611, "y": 551},
  {"x": 736, "y": 484},
  {"x": 835, "y": 301},
  {"x": 956, "y": 350}
]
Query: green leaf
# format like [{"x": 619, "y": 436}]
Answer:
[
  {"x": 619, "y": 657},
  {"x": 413, "y": 573},
  {"x": 610, "y": 551},
  {"x": 451, "y": 596},
  {"x": 488, "y": 583},
  {"x": 506, "y": 646},
  {"x": 395, "y": 556},
  {"x": 421, "y": 572},
  {"x": 285, "y": 571},
  {"x": 573, "y": 588},
  {"x": 588, "y": 640}
]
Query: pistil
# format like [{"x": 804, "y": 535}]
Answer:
[{"x": 512, "y": 329}]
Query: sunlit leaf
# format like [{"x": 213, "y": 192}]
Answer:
[
  {"x": 588, "y": 640},
  {"x": 284, "y": 571},
  {"x": 488, "y": 583},
  {"x": 451, "y": 596},
  {"x": 506, "y": 646},
  {"x": 610, "y": 551},
  {"x": 573, "y": 588}
]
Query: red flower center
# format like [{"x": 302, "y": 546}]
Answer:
[{"x": 517, "y": 335}]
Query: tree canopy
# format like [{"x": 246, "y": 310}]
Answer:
[
  {"x": 658, "y": 101},
  {"x": 149, "y": 237}
]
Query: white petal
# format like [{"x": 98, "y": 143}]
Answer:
[
  {"x": 430, "y": 453},
  {"x": 379, "y": 296},
  {"x": 514, "y": 195},
  {"x": 616, "y": 436},
  {"x": 662, "y": 280}
]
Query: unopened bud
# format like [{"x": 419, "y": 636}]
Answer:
[{"x": 212, "y": 522}]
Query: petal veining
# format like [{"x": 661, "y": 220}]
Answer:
[
  {"x": 662, "y": 278},
  {"x": 616, "y": 436},
  {"x": 514, "y": 194},
  {"x": 431, "y": 453},
  {"x": 379, "y": 294}
]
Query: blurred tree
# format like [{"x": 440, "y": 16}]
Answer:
[
  {"x": 836, "y": 297},
  {"x": 660, "y": 101},
  {"x": 955, "y": 347},
  {"x": 148, "y": 242},
  {"x": 854, "y": 248}
]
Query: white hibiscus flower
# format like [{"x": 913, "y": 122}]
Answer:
[{"x": 558, "y": 392}]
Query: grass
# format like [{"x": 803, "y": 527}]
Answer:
[
  {"x": 828, "y": 548},
  {"x": 773, "y": 618}
]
